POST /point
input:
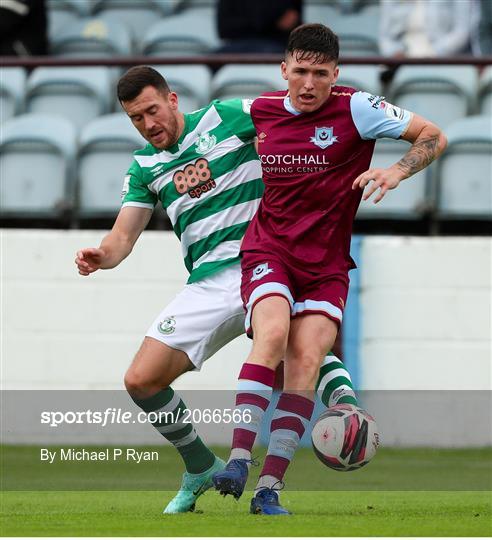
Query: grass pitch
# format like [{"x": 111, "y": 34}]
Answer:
[
  {"x": 134, "y": 513},
  {"x": 373, "y": 507}
]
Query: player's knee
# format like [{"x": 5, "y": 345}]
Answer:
[
  {"x": 133, "y": 382},
  {"x": 138, "y": 385},
  {"x": 272, "y": 337}
]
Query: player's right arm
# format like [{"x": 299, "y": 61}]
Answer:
[{"x": 118, "y": 244}]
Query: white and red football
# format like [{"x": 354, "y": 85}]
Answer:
[{"x": 345, "y": 437}]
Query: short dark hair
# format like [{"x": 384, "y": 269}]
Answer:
[
  {"x": 314, "y": 42},
  {"x": 136, "y": 79}
]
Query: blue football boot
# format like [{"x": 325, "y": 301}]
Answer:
[
  {"x": 266, "y": 502},
  {"x": 233, "y": 478}
]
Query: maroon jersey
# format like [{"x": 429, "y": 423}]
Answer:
[{"x": 309, "y": 163}]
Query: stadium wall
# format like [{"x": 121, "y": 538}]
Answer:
[{"x": 419, "y": 320}]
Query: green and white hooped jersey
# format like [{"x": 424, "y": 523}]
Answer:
[{"x": 209, "y": 183}]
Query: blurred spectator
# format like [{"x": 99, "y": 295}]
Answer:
[
  {"x": 23, "y": 27},
  {"x": 422, "y": 28},
  {"x": 257, "y": 26},
  {"x": 485, "y": 28}
]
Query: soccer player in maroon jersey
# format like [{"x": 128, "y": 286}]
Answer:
[{"x": 315, "y": 143}]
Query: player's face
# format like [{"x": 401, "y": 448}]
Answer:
[
  {"x": 156, "y": 116},
  {"x": 309, "y": 83}
]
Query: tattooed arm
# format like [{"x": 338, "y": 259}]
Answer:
[{"x": 428, "y": 142}]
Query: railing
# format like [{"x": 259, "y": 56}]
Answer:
[{"x": 219, "y": 60}]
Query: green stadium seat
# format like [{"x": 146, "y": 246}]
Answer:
[
  {"x": 105, "y": 154},
  {"x": 192, "y": 84},
  {"x": 12, "y": 91},
  {"x": 443, "y": 94},
  {"x": 322, "y": 12},
  {"x": 365, "y": 78},
  {"x": 410, "y": 200},
  {"x": 62, "y": 13},
  {"x": 191, "y": 32},
  {"x": 138, "y": 16},
  {"x": 358, "y": 32},
  {"x": 36, "y": 166},
  {"x": 464, "y": 171},
  {"x": 98, "y": 37},
  {"x": 246, "y": 81},
  {"x": 77, "y": 93}
]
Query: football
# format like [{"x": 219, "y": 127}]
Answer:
[{"x": 345, "y": 437}]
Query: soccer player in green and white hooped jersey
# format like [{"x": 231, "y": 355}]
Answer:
[{"x": 203, "y": 168}]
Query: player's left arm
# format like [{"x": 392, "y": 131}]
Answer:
[{"x": 428, "y": 143}]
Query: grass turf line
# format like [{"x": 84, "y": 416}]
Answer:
[{"x": 134, "y": 513}]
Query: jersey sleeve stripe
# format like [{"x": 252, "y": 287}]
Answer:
[
  {"x": 410, "y": 116},
  {"x": 138, "y": 205}
]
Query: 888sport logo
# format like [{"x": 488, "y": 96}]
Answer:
[{"x": 195, "y": 179}]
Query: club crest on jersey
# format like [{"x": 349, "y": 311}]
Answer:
[
  {"x": 260, "y": 271},
  {"x": 205, "y": 143},
  {"x": 323, "y": 137},
  {"x": 167, "y": 326}
]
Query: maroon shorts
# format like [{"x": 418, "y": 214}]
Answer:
[{"x": 264, "y": 275}]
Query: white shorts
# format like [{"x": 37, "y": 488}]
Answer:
[{"x": 203, "y": 317}]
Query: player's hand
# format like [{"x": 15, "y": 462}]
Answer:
[
  {"x": 89, "y": 260},
  {"x": 382, "y": 179}
]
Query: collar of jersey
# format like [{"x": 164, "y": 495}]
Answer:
[
  {"x": 175, "y": 147},
  {"x": 289, "y": 107}
]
